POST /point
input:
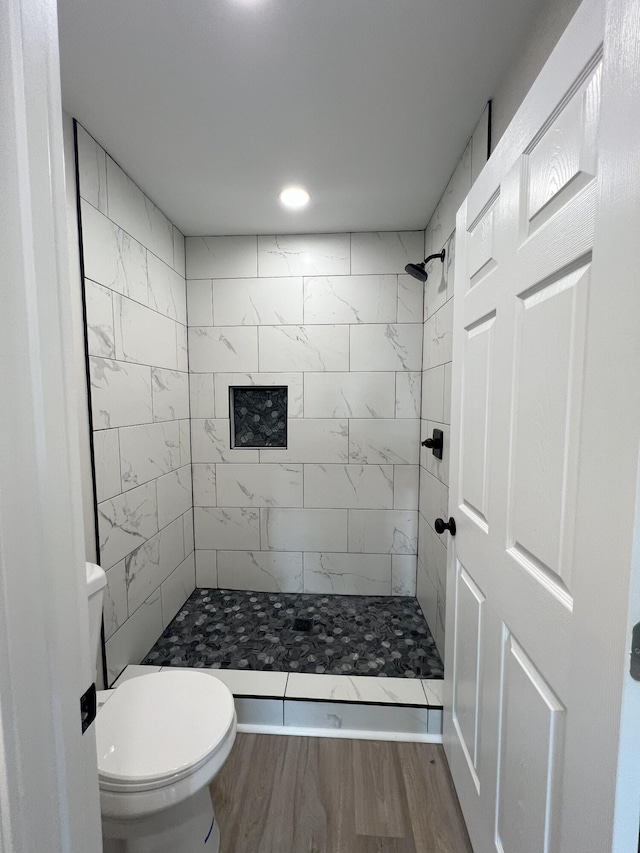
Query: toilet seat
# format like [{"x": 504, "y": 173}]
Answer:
[{"x": 158, "y": 729}]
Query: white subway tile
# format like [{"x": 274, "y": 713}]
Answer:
[
  {"x": 351, "y": 299},
  {"x": 201, "y": 395},
  {"x": 167, "y": 290},
  {"x": 439, "y": 335},
  {"x": 262, "y": 571},
  {"x": 403, "y": 574},
  {"x": 259, "y": 485},
  {"x": 434, "y": 498},
  {"x": 405, "y": 486},
  {"x": 177, "y": 588},
  {"x": 230, "y": 528},
  {"x": 433, "y": 393},
  {"x": 374, "y": 531},
  {"x": 386, "y": 347},
  {"x": 447, "y": 394},
  {"x": 120, "y": 393},
  {"x": 152, "y": 563},
  {"x": 178, "y": 252},
  {"x": 147, "y": 451},
  {"x": 348, "y": 486},
  {"x": 115, "y": 610},
  {"x": 385, "y": 251},
  {"x": 410, "y": 299},
  {"x": 303, "y": 254},
  {"x": 133, "y": 640},
  {"x": 347, "y": 574},
  {"x": 303, "y": 529},
  {"x": 204, "y": 485},
  {"x": 224, "y": 349},
  {"x": 408, "y": 394},
  {"x": 143, "y": 335},
  {"x": 211, "y": 442},
  {"x": 182, "y": 349},
  {"x": 349, "y": 395},
  {"x": 200, "y": 302},
  {"x": 353, "y": 716},
  {"x": 257, "y": 301},
  {"x": 304, "y": 348},
  {"x": 355, "y": 689},
  {"x": 385, "y": 441},
  {"x": 221, "y": 257},
  {"x": 189, "y": 538},
  {"x": 206, "y": 569}
]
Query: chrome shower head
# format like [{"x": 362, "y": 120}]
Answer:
[{"x": 418, "y": 270}]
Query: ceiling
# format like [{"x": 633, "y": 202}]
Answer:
[{"x": 212, "y": 106}]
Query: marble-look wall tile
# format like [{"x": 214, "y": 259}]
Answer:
[
  {"x": 221, "y": 257},
  {"x": 259, "y": 485},
  {"x": 182, "y": 348},
  {"x": 201, "y": 395},
  {"x": 303, "y": 529},
  {"x": 92, "y": 170},
  {"x": 174, "y": 495},
  {"x": 426, "y": 595},
  {"x": 114, "y": 607},
  {"x": 256, "y": 302},
  {"x": 434, "y": 557},
  {"x": 189, "y": 535},
  {"x": 204, "y": 485},
  {"x": 433, "y": 394},
  {"x": 211, "y": 442},
  {"x": 383, "y": 531},
  {"x": 143, "y": 335},
  {"x": 112, "y": 257},
  {"x": 170, "y": 394},
  {"x": 230, "y": 528},
  {"x": 303, "y": 254},
  {"x": 385, "y": 251},
  {"x": 434, "y": 497},
  {"x": 440, "y": 275},
  {"x": 351, "y": 299},
  {"x": 353, "y": 716},
  {"x": 405, "y": 486},
  {"x": 167, "y": 290},
  {"x": 106, "y": 459},
  {"x": 410, "y": 299},
  {"x": 200, "y": 302},
  {"x": 292, "y": 381},
  {"x": 403, "y": 574},
  {"x": 386, "y": 347},
  {"x": 349, "y": 395},
  {"x": 152, "y": 563},
  {"x": 120, "y": 393},
  {"x": 438, "y": 332},
  {"x": 304, "y": 347},
  {"x": 100, "y": 327},
  {"x": 130, "y": 208},
  {"x": 408, "y": 394},
  {"x": 347, "y": 574},
  {"x": 384, "y": 441},
  {"x": 446, "y": 406},
  {"x": 207, "y": 568},
  {"x": 148, "y": 451},
  {"x": 262, "y": 571},
  {"x": 311, "y": 440},
  {"x": 226, "y": 349},
  {"x": 133, "y": 640},
  {"x": 125, "y": 522},
  {"x": 185, "y": 442},
  {"x": 179, "y": 263},
  {"x": 348, "y": 486},
  {"x": 177, "y": 588}
]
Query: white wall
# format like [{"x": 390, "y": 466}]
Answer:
[
  {"x": 137, "y": 342},
  {"x": 332, "y": 317}
]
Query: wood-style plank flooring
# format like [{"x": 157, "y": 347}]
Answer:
[{"x": 279, "y": 794}]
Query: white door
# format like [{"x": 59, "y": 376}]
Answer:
[
  {"x": 49, "y": 799},
  {"x": 544, "y": 461}
]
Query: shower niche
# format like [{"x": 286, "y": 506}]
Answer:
[{"x": 258, "y": 416}]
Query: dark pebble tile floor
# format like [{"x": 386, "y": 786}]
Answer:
[{"x": 300, "y": 632}]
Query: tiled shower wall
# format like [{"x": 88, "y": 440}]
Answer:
[
  {"x": 332, "y": 317},
  {"x": 137, "y": 341},
  {"x": 436, "y": 382}
]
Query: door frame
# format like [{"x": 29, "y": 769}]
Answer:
[
  {"x": 49, "y": 793},
  {"x": 608, "y": 529}
]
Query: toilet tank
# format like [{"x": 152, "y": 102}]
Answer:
[{"x": 96, "y": 582}]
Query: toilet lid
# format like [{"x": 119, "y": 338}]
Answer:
[{"x": 161, "y": 727}]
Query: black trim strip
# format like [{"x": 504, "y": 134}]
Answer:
[{"x": 489, "y": 122}]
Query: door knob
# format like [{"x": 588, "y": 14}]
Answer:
[{"x": 441, "y": 525}]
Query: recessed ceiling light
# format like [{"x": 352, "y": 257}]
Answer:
[{"x": 294, "y": 197}]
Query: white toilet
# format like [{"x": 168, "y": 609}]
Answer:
[{"x": 161, "y": 739}]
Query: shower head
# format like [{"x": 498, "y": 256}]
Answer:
[{"x": 418, "y": 270}]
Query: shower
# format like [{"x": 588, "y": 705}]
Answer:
[{"x": 418, "y": 270}]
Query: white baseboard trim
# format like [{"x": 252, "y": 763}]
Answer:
[{"x": 350, "y": 734}]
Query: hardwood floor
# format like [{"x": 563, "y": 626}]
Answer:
[{"x": 280, "y": 794}]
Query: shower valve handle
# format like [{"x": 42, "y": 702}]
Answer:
[{"x": 441, "y": 525}]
